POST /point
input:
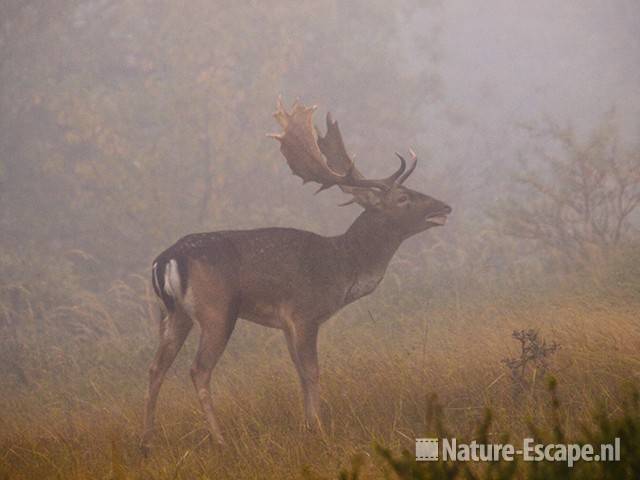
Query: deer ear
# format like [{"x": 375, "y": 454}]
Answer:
[{"x": 365, "y": 197}]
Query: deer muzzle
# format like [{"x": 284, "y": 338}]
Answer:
[
  {"x": 440, "y": 217},
  {"x": 437, "y": 219}
]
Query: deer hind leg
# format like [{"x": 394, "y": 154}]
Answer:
[
  {"x": 173, "y": 331},
  {"x": 217, "y": 324},
  {"x": 302, "y": 343}
]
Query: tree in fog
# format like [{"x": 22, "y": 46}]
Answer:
[
  {"x": 128, "y": 124},
  {"x": 580, "y": 202}
]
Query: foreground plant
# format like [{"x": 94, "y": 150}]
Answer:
[{"x": 625, "y": 427}]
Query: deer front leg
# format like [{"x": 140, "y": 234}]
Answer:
[{"x": 302, "y": 343}]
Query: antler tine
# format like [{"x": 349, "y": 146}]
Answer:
[
  {"x": 391, "y": 179},
  {"x": 414, "y": 163}
]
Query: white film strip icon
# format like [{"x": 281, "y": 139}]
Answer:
[{"x": 426, "y": 449}]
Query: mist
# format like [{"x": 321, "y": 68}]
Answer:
[{"x": 126, "y": 125}]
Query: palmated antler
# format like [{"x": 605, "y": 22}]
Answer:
[{"x": 324, "y": 159}]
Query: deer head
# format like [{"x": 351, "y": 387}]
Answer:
[{"x": 324, "y": 159}]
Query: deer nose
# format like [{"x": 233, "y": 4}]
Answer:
[{"x": 441, "y": 208}]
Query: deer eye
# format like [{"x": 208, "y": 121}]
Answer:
[{"x": 402, "y": 200}]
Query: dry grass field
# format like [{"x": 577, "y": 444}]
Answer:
[
  {"x": 72, "y": 402},
  {"x": 126, "y": 125}
]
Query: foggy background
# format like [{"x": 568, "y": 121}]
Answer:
[{"x": 127, "y": 124}]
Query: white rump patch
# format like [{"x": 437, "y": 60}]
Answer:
[
  {"x": 172, "y": 284},
  {"x": 155, "y": 275}
]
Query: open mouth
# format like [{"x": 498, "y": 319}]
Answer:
[{"x": 439, "y": 219}]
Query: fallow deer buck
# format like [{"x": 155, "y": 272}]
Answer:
[{"x": 281, "y": 277}]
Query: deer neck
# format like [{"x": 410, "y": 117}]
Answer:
[{"x": 370, "y": 243}]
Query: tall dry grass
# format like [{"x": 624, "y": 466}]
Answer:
[{"x": 73, "y": 381}]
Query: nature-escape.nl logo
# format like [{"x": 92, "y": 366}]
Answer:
[{"x": 428, "y": 449}]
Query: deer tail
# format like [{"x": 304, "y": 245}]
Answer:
[{"x": 168, "y": 285}]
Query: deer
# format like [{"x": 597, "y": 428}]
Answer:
[{"x": 284, "y": 278}]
